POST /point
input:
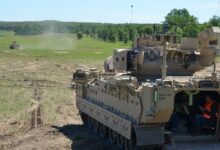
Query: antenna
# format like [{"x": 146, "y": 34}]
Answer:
[
  {"x": 132, "y": 13},
  {"x": 164, "y": 65}
]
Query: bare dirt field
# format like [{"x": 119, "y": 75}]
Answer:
[{"x": 38, "y": 109}]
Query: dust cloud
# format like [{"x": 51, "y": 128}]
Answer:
[{"x": 50, "y": 40}]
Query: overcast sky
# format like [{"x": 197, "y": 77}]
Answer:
[{"x": 106, "y": 11}]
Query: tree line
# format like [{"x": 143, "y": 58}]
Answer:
[
  {"x": 177, "y": 21},
  {"x": 104, "y": 31}
]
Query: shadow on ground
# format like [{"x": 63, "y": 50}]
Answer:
[{"x": 84, "y": 139}]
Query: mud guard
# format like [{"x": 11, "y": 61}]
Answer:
[{"x": 149, "y": 135}]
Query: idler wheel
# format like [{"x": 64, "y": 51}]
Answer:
[
  {"x": 103, "y": 130},
  {"x": 120, "y": 141},
  {"x": 112, "y": 136}
]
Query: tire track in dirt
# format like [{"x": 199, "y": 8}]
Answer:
[
  {"x": 36, "y": 110},
  {"x": 29, "y": 83}
]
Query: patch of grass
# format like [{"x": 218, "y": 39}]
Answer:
[
  {"x": 62, "y": 47},
  {"x": 54, "y": 98},
  {"x": 4, "y": 33},
  {"x": 13, "y": 101}
]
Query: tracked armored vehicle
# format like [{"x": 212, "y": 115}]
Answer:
[
  {"x": 14, "y": 45},
  {"x": 133, "y": 101}
]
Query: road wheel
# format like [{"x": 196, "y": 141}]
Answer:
[
  {"x": 130, "y": 144},
  {"x": 90, "y": 122},
  {"x": 127, "y": 145},
  {"x": 120, "y": 141},
  {"x": 112, "y": 136},
  {"x": 96, "y": 126},
  {"x": 103, "y": 130}
]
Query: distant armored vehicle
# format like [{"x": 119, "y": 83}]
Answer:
[
  {"x": 14, "y": 45},
  {"x": 134, "y": 100}
]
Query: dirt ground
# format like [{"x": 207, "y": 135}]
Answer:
[{"x": 50, "y": 120}]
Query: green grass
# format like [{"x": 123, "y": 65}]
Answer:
[
  {"x": 4, "y": 33},
  {"x": 14, "y": 100},
  {"x": 53, "y": 98},
  {"x": 63, "y": 47}
]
